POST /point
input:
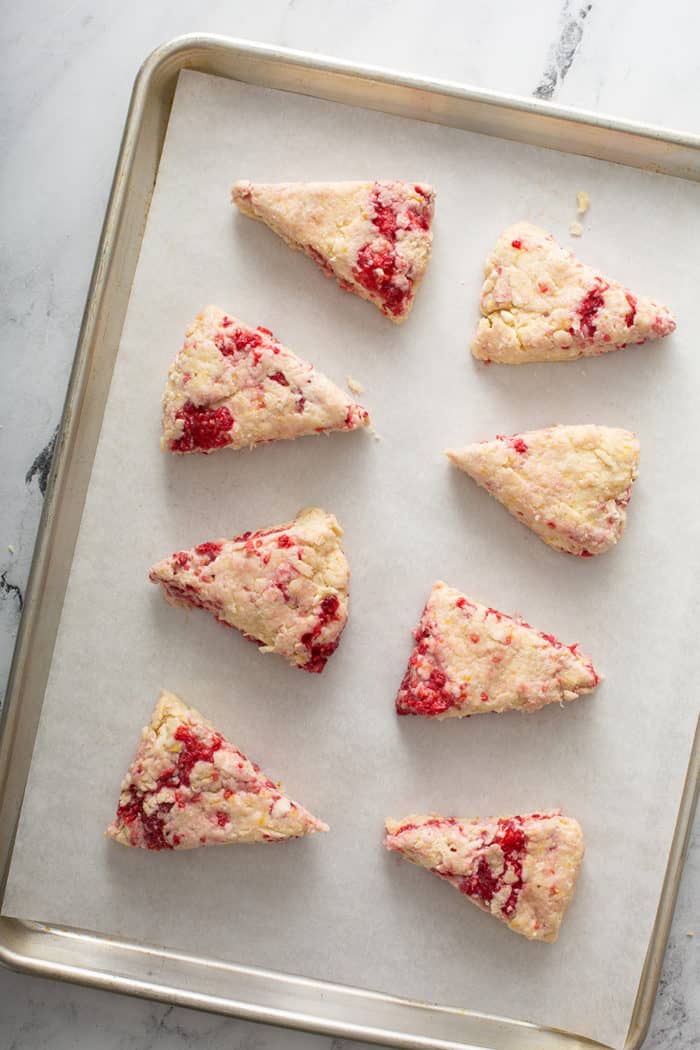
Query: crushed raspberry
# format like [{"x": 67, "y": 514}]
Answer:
[
  {"x": 585, "y": 554},
  {"x": 484, "y": 883},
  {"x": 385, "y": 216},
  {"x": 516, "y": 244},
  {"x": 238, "y": 343},
  {"x": 632, "y": 312},
  {"x": 205, "y": 428},
  {"x": 300, "y": 402},
  {"x": 543, "y": 288},
  {"x": 515, "y": 442},
  {"x": 484, "y": 698},
  {"x": 283, "y": 577},
  {"x": 329, "y": 606},
  {"x": 221, "y": 818},
  {"x": 418, "y": 695},
  {"x": 182, "y": 560},
  {"x": 226, "y": 322},
  {"x": 387, "y": 211},
  {"x": 193, "y": 750},
  {"x": 257, "y": 535},
  {"x": 279, "y": 377},
  {"x": 319, "y": 653},
  {"x": 434, "y": 822},
  {"x": 265, "y": 331},
  {"x": 475, "y": 638},
  {"x": 377, "y": 270},
  {"x": 405, "y": 827},
  {"x": 152, "y": 824},
  {"x": 284, "y": 540},
  {"x": 589, "y": 307},
  {"x": 246, "y": 339},
  {"x": 663, "y": 325},
  {"x": 437, "y": 679},
  {"x": 208, "y": 551}
]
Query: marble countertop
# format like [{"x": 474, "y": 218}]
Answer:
[{"x": 66, "y": 77}]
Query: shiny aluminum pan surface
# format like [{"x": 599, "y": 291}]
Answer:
[{"x": 174, "y": 977}]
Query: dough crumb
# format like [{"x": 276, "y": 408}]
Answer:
[
  {"x": 575, "y": 229},
  {"x": 690, "y": 933},
  {"x": 10, "y": 548},
  {"x": 373, "y": 431},
  {"x": 583, "y": 202},
  {"x": 354, "y": 385}
]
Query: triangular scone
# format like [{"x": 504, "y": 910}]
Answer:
[
  {"x": 522, "y": 869},
  {"x": 374, "y": 238},
  {"x": 470, "y": 659},
  {"x": 285, "y": 588},
  {"x": 569, "y": 484},
  {"x": 188, "y": 786},
  {"x": 541, "y": 304},
  {"x": 236, "y": 387}
]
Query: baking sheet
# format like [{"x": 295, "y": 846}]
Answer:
[{"x": 338, "y": 906}]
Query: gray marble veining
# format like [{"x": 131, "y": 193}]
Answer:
[{"x": 65, "y": 80}]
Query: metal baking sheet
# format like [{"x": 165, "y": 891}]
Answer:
[{"x": 313, "y": 325}]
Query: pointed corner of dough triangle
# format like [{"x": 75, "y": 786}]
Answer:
[
  {"x": 374, "y": 238},
  {"x": 540, "y": 303},
  {"x": 570, "y": 484},
  {"x": 232, "y": 386},
  {"x": 521, "y": 869},
  {"x": 284, "y": 587},
  {"x": 461, "y": 457},
  {"x": 188, "y": 786}
]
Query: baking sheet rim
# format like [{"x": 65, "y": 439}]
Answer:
[{"x": 159, "y": 74}]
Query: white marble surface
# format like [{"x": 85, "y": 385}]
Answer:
[{"x": 66, "y": 75}]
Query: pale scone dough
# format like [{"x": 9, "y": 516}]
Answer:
[
  {"x": 470, "y": 659},
  {"x": 569, "y": 484},
  {"x": 284, "y": 587},
  {"x": 232, "y": 386},
  {"x": 539, "y": 303},
  {"x": 188, "y": 786},
  {"x": 374, "y": 238},
  {"x": 521, "y": 869}
]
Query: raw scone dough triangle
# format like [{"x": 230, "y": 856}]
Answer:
[
  {"x": 541, "y": 304},
  {"x": 188, "y": 786},
  {"x": 470, "y": 659},
  {"x": 285, "y": 587},
  {"x": 569, "y": 484},
  {"x": 374, "y": 238},
  {"x": 521, "y": 869},
  {"x": 231, "y": 386}
]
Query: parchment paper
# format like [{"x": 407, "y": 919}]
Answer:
[{"x": 338, "y": 906}]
